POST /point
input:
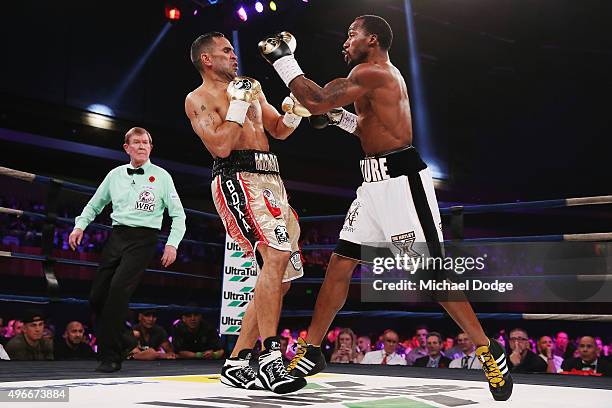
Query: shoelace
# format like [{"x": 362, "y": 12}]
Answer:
[
  {"x": 279, "y": 367},
  {"x": 491, "y": 369},
  {"x": 250, "y": 373},
  {"x": 301, "y": 352}
]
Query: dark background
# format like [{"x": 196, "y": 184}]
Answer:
[{"x": 517, "y": 91}]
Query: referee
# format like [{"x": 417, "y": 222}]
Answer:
[{"x": 139, "y": 193}]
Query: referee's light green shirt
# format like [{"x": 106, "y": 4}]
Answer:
[{"x": 138, "y": 200}]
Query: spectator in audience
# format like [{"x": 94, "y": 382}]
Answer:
[
  {"x": 303, "y": 334},
  {"x": 563, "y": 347},
  {"x": 74, "y": 344},
  {"x": 456, "y": 351},
  {"x": 522, "y": 359},
  {"x": 327, "y": 346},
  {"x": 448, "y": 344},
  {"x": 467, "y": 359},
  {"x": 364, "y": 346},
  {"x": 546, "y": 353},
  {"x": 49, "y": 331},
  {"x": 13, "y": 328},
  {"x": 501, "y": 339},
  {"x": 140, "y": 352},
  {"x": 434, "y": 358},
  {"x": 387, "y": 355},
  {"x": 345, "y": 348},
  {"x": 599, "y": 343},
  {"x": 588, "y": 360},
  {"x": 151, "y": 335},
  {"x": 30, "y": 345},
  {"x": 195, "y": 338},
  {"x": 421, "y": 350}
]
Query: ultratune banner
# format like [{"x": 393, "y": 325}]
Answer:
[{"x": 239, "y": 278}]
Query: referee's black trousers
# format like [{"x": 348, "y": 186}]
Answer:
[{"x": 125, "y": 257}]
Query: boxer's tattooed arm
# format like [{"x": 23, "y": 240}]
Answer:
[
  {"x": 339, "y": 92},
  {"x": 208, "y": 121},
  {"x": 335, "y": 90}
]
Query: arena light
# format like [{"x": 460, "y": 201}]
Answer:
[
  {"x": 101, "y": 109},
  {"x": 242, "y": 14},
  {"x": 259, "y": 7},
  {"x": 173, "y": 13},
  {"x": 272, "y": 6}
]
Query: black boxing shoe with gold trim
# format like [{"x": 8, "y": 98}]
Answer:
[
  {"x": 308, "y": 360},
  {"x": 495, "y": 367}
]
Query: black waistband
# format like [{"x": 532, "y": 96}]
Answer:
[
  {"x": 252, "y": 161},
  {"x": 393, "y": 164}
]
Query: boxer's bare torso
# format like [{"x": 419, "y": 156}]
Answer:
[{"x": 207, "y": 105}]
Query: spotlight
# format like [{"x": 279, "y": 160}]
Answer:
[
  {"x": 101, "y": 109},
  {"x": 259, "y": 7},
  {"x": 242, "y": 14},
  {"x": 272, "y": 6},
  {"x": 173, "y": 13}
]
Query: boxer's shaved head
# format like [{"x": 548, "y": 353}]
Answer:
[{"x": 379, "y": 27}]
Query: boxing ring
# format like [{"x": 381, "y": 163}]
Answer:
[{"x": 188, "y": 383}]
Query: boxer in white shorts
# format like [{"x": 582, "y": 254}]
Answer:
[{"x": 396, "y": 200}]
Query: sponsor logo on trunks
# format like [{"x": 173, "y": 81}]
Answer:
[
  {"x": 351, "y": 216},
  {"x": 282, "y": 235},
  {"x": 404, "y": 242},
  {"x": 146, "y": 201},
  {"x": 296, "y": 260},
  {"x": 374, "y": 169},
  {"x": 271, "y": 203},
  {"x": 266, "y": 162},
  {"x": 235, "y": 203}
]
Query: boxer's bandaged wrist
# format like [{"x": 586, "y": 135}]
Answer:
[
  {"x": 291, "y": 120},
  {"x": 348, "y": 121},
  {"x": 237, "y": 111},
  {"x": 288, "y": 69}
]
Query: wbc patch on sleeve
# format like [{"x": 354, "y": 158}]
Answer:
[{"x": 174, "y": 196}]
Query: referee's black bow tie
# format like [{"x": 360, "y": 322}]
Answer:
[{"x": 139, "y": 170}]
